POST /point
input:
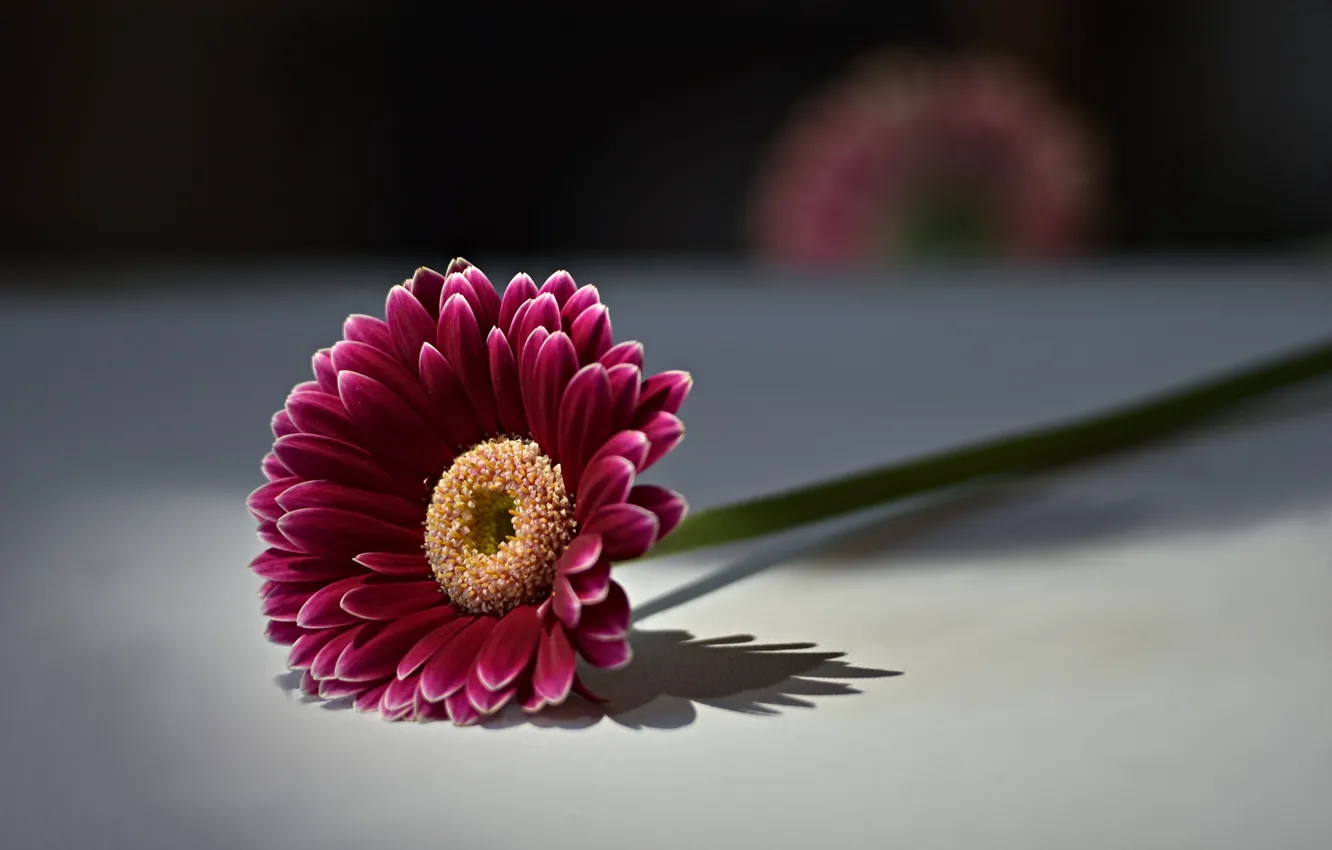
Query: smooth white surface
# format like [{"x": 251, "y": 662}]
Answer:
[{"x": 1130, "y": 655}]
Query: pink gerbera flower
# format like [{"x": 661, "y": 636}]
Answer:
[
  {"x": 446, "y": 498},
  {"x": 908, "y": 158}
]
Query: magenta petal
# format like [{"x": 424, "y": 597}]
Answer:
[
  {"x": 401, "y": 692},
  {"x": 504, "y": 378},
  {"x": 483, "y": 699},
  {"x": 323, "y": 415},
  {"x": 388, "y": 370},
  {"x": 328, "y": 494},
  {"x": 585, "y": 297},
  {"x": 509, "y": 648},
  {"x": 284, "y": 601},
  {"x": 410, "y": 323},
  {"x": 627, "y": 531},
  {"x": 664, "y": 392},
  {"x": 527, "y": 380},
  {"x": 282, "y": 424},
  {"x": 591, "y": 333},
  {"x": 592, "y": 585},
  {"x": 369, "y": 699},
  {"x": 564, "y": 602},
  {"x": 520, "y": 291},
  {"x": 460, "y": 709},
  {"x": 630, "y": 352},
  {"x": 323, "y": 610},
  {"x": 308, "y": 684},
  {"x": 528, "y": 699},
  {"x": 561, "y": 285},
  {"x": 326, "y": 659},
  {"x": 606, "y": 482},
  {"x": 624, "y": 380},
  {"x": 606, "y": 654},
  {"x": 370, "y": 331},
  {"x": 331, "y": 531},
  {"x": 393, "y": 600},
  {"x": 305, "y": 649},
  {"x": 631, "y": 445},
  {"x": 609, "y": 619},
  {"x": 426, "y": 648},
  {"x": 556, "y": 664},
  {"x": 584, "y": 421},
  {"x": 664, "y": 431},
  {"x": 395, "y": 563},
  {"x": 427, "y": 284},
  {"x": 270, "y": 535},
  {"x": 460, "y": 427},
  {"x": 391, "y": 427},
  {"x": 284, "y": 633},
  {"x": 447, "y": 671},
  {"x": 457, "y": 284},
  {"x": 460, "y": 341},
  {"x": 457, "y": 264},
  {"x": 555, "y": 367},
  {"x": 313, "y": 457},
  {"x": 541, "y": 312},
  {"x": 488, "y": 311},
  {"x": 372, "y": 657},
  {"x": 669, "y": 506},
  {"x": 331, "y": 689},
  {"x": 263, "y": 501},
  {"x": 277, "y": 565},
  {"x": 273, "y": 468},
  {"x": 581, "y": 554},
  {"x": 325, "y": 375}
]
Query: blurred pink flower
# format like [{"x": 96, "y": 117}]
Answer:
[{"x": 906, "y": 157}]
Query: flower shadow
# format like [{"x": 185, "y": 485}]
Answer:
[{"x": 673, "y": 673}]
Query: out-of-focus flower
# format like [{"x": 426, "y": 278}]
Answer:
[
  {"x": 446, "y": 498},
  {"x": 907, "y": 157}
]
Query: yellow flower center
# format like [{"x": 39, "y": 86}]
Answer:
[{"x": 497, "y": 523}]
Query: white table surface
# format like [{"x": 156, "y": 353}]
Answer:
[{"x": 1135, "y": 654}]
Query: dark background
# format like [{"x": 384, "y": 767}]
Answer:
[{"x": 260, "y": 129}]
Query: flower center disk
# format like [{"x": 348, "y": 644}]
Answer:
[{"x": 497, "y": 523}]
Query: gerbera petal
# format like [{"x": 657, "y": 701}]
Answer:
[
  {"x": 527, "y": 698},
  {"x": 326, "y": 659},
  {"x": 630, "y": 351},
  {"x": 625, "y": 379},
  {"x": 632, "y": 445},
  {"x": 541, "y": 312},
  {"x": 605, "y": 482},
  {"x": 314, "y": 457},
  {"x": 556, "y": 664},
  {"x": 333, "y": 531},
  {"x": 585, "y": 297},
  {"x": 392, "y": 600},
  {"x": 370, "y": 331},
  {"x": 509, "y": 648},
  {"x": 426, "y": 285},
  {"x": 401, "y": 692},
  {"x": 459, "y": 340},
  {"x": 410, "y": 324},
  {"x": 447, "y": 671},
  {"x": 561, "y": 285},
  {"x": 284, "y": 633},
  {"x": 664, "y": 431},
  {"x": 332, "y": 689},
  {"x": 404, "y": 381},
  {"x": 369, "y": 699},
  {"x": 482, "y": 698},
  {"x": 391, "y": 427},
  {"x": 627, "y": 531},
  {"x": 592, "y": 584},
  {"x": 669, "y": 506},
  {"x": 285, "y": 600},
  {"x": 304, "y": 650},
  {"x": 555, "y": 366},
  {"x": 527, "y": 380},
  {"x": 584, "y": 421},
  {"x": 395, "y": 563},
  {"x": 263, "y": 503},
  {"x": 425, "y": 648},
  {"x": 329, "y": 494},
  {"x": 325, "y": 375},
  {"x": 488, "y": 311},
  {"x": 270, "y": 535},
  {"x": 460, "y": 709},
  {"x": 504, "y": 379},
  {"x": 460, "y": 425},
  {"x": 282, "y": 424},
  {"x": 608, "y": 619},
  {"x": 309, "y": 686},
  {"x": 273, "y": 468},
  {"x": 591, "y": 333},
  {"x": 376, "y": 656},
  {"x": 457, "y": 284},
  {"x": 519, "y": 291},
  {"x": 457, "y": 264},
  {"x": 581, "y": 554},
  {"x": 665, "y": 392},
  {"x": 323, "y": 415},
  {"x": 564, "y": 602},
  {"x": 323, "y": 610},
  {"x": 277, "y": 565},
  {"x": 606, "y": 654}
]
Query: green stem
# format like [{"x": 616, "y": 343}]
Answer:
[{"x": 1043, "y": 448}]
